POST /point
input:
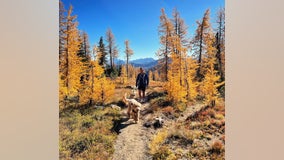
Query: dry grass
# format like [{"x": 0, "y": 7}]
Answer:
[
  {"x": 190, "y": 139},
  {"x": 87, "y": 135},
  {"x": 157, "y": 141}
]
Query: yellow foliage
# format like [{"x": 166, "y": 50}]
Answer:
[
  {"x": 86, "y": 91},
  {"x": 175, "y": 89},
  {"x": 219, "y": 116},
  {"x": 98, "y": 69},
  {"x": 156, "y": 75},
  {"x": 150, "y": 75},
  {"x": 123, "y": 76},
  {"x": 133, "y": 72},
  {"x": 103, "y": 90},
  {"x": 62, "y": 92},
  {"x": 192, "y": 84},
  {"x": 96, "y": 87},
  {"x": 211, "y": 80},
  {"x": 176, "y": 92},
  {"x": 157, "y": 141},
  {"x": 74, "y": 61},
  {"x": 69, "y": 63}
]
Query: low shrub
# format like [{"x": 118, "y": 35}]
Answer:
[
  {"x": 163, "y": 153},
  {"x": 217, "y": 147},
  {"x": 157, "y": 141},
  {"x": 181, "y": 106},
  {"x": 168, "y": 110},
  {"x": 219, "y": 116}
]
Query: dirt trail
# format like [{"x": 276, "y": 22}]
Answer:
[{"x": 132, "y": 140}]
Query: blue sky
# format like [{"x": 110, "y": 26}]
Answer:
[{"x": 136, "y": 20}]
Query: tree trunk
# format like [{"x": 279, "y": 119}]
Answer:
[
  {"x": 127, "y": 57},
  {"x": 218, "y": 54},
  {"x": 180, "y": 70},
  {"x": 200, "y": 53},
  {"x": 92, "y": 87},
  {"x": 186, "y": 79},
  {"x": 219, "y": 60},
  {"x": 110, "y": 57},
  {"x": 166, "y": 67},
  {"x": 67, "y": 62}
]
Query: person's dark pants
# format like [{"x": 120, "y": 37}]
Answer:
[{"x": 143, "y": 88}]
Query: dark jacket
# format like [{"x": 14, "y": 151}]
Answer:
[{"x": 142, "y": 80}]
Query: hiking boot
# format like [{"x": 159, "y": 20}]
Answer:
[{"x": 143, "y": 100}]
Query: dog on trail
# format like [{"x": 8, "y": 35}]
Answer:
[
  {"x": 133, "y": 108},
  {"x": 133, "y": 92}
]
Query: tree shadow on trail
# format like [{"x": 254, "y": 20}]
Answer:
[
  {"x": 158, "y": 99},
  {"x": 155, "y": 94},
  {"x": 118, "y": 125}
]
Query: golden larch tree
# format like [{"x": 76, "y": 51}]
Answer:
[
  {"x": 156, "y": 75},
  {"x": 123, "y": 75},
  {"x": 220, "y": 42},
  {"x": 178, "y": 44},
  {"x": 111, "y": 47},
  {"x": 69, "y": 63},
  {"x": 198, "y": 42},
  {"x": 192, "y": 85},
  {"x": 85, "y": 91},
  {"x": 150, "y": 75},
  {"x": 62, "y": 29},
  {"x": 73, "y": 60},
  {"x": 211, "y": 79},
  {"x": 103, "y": 88},
  {"x": 165, "y": 31},
  {"x": 175, "y": 92},
  {"x": 128, "y": 53},
  {"x": 132, "y": 72}
]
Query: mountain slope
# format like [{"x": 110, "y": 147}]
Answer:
[{"x": 145, "y": 63}]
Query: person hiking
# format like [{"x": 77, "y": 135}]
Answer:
[{"x": 142, "y": 82}]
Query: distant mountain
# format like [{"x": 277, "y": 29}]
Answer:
[
  {"x": 145, "y": 63},
  {"x": 119, "y": 61}
]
